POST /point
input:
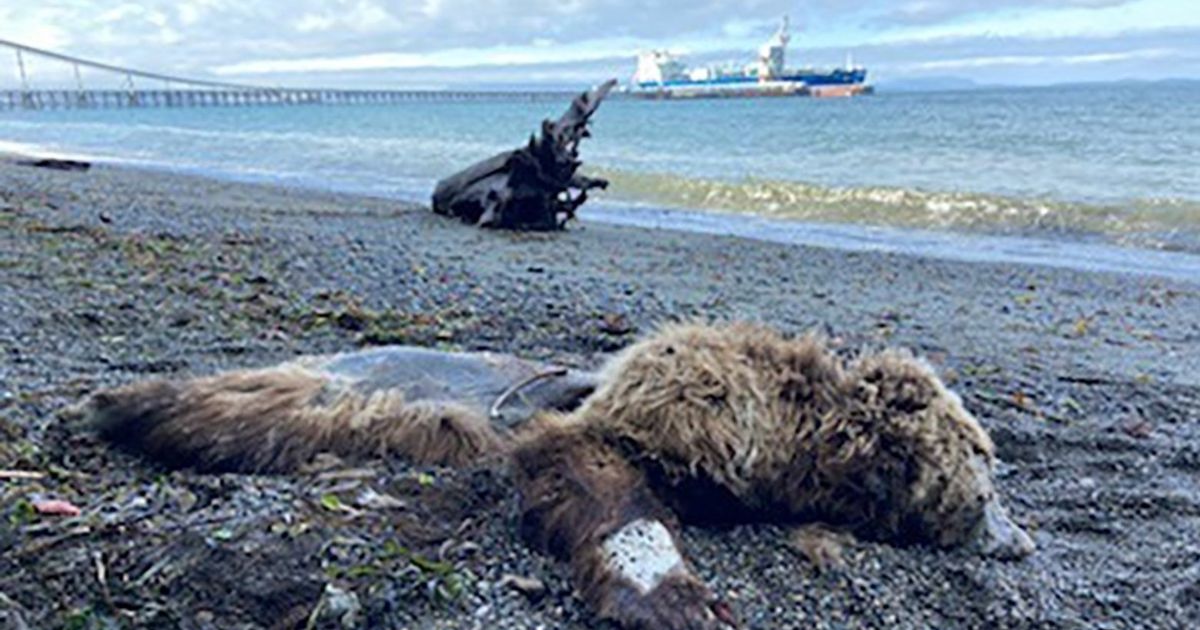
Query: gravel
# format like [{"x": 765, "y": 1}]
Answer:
[{"x": 1087, "y": 382}]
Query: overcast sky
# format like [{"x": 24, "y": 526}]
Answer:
[{"x": 431, "y": 43}]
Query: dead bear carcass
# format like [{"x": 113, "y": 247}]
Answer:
[{"x": 693, "y": 422}]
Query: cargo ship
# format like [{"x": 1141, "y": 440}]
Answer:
[{"x": 661, "y": 75}]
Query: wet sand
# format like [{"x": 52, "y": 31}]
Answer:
[{"x": 1088, "y": 382}]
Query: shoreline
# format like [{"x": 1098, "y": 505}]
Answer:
[
  {"x": 253, "y": 213},
  {"x": 947, "y": 245},
  {"x": 1088, "y": 382},
  {"x": 1082, "y": 252}
]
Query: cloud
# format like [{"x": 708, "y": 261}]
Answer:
[
  {"x": 538, "y": 52},
  {"x": 357, "y": 17},
  {"x": 44, "y": 27},
  {"x": 934, "y": 11},
  {"x": 975, "y": 63},
  {"x": 1147, "y": 54}
]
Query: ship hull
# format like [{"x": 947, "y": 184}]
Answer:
[
  {"x": 832, "y": 83},
  {"x": 746, "y": 89},
  {"x": 839, "y": 91},
  {"x": 837, "y": 76}
]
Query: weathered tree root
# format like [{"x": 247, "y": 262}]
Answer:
[{"x": 532, "y": 188}]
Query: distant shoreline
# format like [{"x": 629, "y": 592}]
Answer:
[{"x": 939, "y": 244}]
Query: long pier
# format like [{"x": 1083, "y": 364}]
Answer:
[
  {"x": 101, "y": 99},
  {"x": 184, "y": 92}
]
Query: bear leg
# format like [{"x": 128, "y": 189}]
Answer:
[{"x": 582, "y": 502}]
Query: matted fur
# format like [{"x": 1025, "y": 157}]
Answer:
[
  {"x": 789, "y": 430},
  {"x": 277, "y": 419}
]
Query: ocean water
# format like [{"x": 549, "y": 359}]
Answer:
[{"x": 1102, "y": 176}]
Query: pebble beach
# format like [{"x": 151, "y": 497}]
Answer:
[{"x": 1088, "y": 382}]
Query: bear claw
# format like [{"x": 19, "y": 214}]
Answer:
[{"x": 999, "y": 537}]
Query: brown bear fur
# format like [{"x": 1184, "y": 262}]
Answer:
[
  {"x": 754, "y": 426},
  {"x": 739, "y": 417},
  {"x": 278, "y": 419},
  {"x": 425, "y": 406},
  {"x": 878, "y": 446}
]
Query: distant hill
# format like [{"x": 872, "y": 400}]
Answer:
[
  {"x": 928, "y": 84},
  {"x": 1181, "y": 82},
  {"x": 951, "y": 83}
]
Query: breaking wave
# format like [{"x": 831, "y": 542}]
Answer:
[{"x": 1161, "y": 223}]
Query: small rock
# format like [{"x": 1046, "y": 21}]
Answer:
[
  {"x": 182, "y": 318},
  {"x": 205, "y": 619},
  {"x": 353, "y": 320},
  {"x": 55, "y": 507},
  {"x": 91, "y": 317},
  {"x": 1137, "y": 428},
  {"x": 372, "y": 500},
  {"x": 615, "y": 324},
  {"x": 342, "y": 605}
]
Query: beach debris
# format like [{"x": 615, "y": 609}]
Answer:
[
  {"x": 56, "y": 507},
  {"x": 21, "y": 474},
  {"x": 373, "y": 500},
  {"x": 57, "y": 164},
  {"x": 337, "y": 604},
  {"x": 536, "y": 187},
  {"x": 530, "y": 587},
  {"x": 330, "y": 502}
]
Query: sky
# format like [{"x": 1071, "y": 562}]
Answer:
[{"x": 456, "y": 43}]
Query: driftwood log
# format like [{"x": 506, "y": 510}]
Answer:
[
  {"x": 535, "y": 187},
  {"x": 56, "y": 164}
]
